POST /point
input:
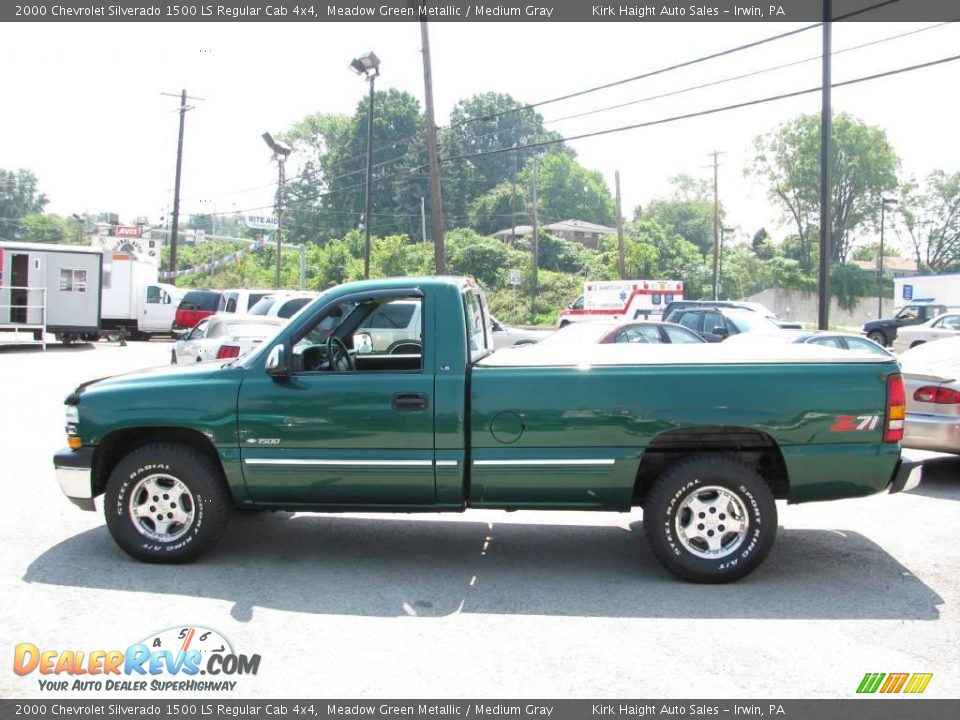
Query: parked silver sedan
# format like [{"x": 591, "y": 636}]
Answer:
[
  {"x": 826, "y": 338},
  {"x": 931, "y": 374},
  {"x": 223, "y": 337}
]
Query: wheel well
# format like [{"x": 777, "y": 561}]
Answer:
[
  {"x": 918, "y": 342},
  {"x": 757, "y": 449},
  {"x": 120, "y": 443}
]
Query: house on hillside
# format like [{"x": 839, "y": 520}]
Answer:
[
  {"x": 893, "y": 267},
  {"x": 586, "y": 233}
]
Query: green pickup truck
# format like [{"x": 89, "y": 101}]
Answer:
[{"x": 317, "y": 419}]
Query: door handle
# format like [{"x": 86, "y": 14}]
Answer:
[{"x": 410, "y": 401}]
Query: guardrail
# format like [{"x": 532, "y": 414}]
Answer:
[{"x": 7, "y": 324}]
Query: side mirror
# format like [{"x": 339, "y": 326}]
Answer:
[
  {"x": 363, "y": 343},
  {"x": 276, "y": 365},
  {"x": 721, "y": 331}
]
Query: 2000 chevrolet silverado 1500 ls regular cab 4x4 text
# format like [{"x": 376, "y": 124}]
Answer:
[{"x": 317, "y": 420}]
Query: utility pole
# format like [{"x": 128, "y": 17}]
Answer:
[
  {"x": 716, "y": 226},
  {"x": 621, "y": 250},
  {"x": 513, "y": 207},
  {"x": 823, "y": 320},
  {"x": 423, "y": 219},
  {"x": 175, "y": 227},
  {"x": 536, "y": 245},
  {"x": 281, "y": 180},
  {"x": 436, "y": 202}
]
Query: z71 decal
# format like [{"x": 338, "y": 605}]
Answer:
[{"x": 850, "y": 423}]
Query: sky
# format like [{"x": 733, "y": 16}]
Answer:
[{"x": 85, "y": 110}]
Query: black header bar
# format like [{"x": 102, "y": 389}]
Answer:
[{"x": 306, "y": 11}]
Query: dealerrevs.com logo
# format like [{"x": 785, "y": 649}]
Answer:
[
  {"x": 186, "y": 659},
  {"x": 910, "y": 683}
]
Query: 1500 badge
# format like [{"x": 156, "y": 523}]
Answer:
[
  {"x": 852, "y": 423},
  {"x": 263, "y": 441}
]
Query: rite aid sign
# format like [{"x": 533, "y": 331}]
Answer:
[{"x": 261, "y": 222}]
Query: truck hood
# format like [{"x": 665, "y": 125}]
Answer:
[
  {"x": 878, "y": 324},
  {"x": 150, "y": 377}
]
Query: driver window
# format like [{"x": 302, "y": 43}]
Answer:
[{"x": 382, "y": 335}]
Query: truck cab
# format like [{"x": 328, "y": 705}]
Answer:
[{"x": 884, "y": 331}]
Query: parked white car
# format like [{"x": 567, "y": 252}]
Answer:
[
  {"x": 931, "y": 374},
  {"x": 241, "y": 300},
  {"x": 283, "y": 303},
  {"x": 942, "y": 326},
  {"x": 223, "y": 337}
]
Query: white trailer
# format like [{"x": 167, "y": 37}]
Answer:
[
  {"x": 50, "y": 288},
  {"x": 133, "y": 301},
  {"x": 927, "y": 289}
]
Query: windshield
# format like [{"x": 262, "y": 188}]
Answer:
[
  {"x": 750, "y": 321},
  {"x": 263, "y": 305}
]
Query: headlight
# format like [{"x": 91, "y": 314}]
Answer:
[{"x": 72, "y": 415}]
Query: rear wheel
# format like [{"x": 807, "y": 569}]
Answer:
[
  {"x": 166, "y": 503},
  {"x": 710, "y": 518},
  {"x": 878, "y": 337}
]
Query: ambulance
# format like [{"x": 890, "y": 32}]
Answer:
[{"x": 622, "y": 300}]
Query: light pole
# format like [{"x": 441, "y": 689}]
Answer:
[
  {"x": 884, "y": 202},
  {"x": 723, "y": 233},
  {"x": 281, "y": 151},
  {"x": 81, "y": 226},
  {"x": 367, "y": 66}
]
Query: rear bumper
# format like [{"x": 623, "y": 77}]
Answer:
[
  {"x": 907, "y": 475},
  {"x": 73, "y": 469},
  {"x": 932, "y": 432}
]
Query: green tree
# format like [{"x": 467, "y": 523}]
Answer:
[
  {"x": 688, "y": 212},
  {"x": 480, "y": 124},
  {"x": 19, "y": 196},
  {"x": 863, "y": 167},
  {"x": 47, "y": 229},
  {"x": 931, "y": 214},
  {"x": 326, "y": 199},
  {"x": 565, "y": 190}
]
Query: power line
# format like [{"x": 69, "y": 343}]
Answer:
[
  {"x": 710, "y": 111},
  {"x": 743, "y": 76}
]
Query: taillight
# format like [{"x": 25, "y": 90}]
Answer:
[
  {"x": 938, "y": 395},
  {"x": 896, "y": 408},
  {"x": 228, "y": 351}
]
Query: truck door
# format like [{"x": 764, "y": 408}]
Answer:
[
  {"x": 357, "y": 430},
  {"x": 158, "y": 310}
]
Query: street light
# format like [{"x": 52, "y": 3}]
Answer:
[
  {"x": 368, "y": 67},
  {"x": 281, "y": 151},
  {"x": 884, "y": 202}
]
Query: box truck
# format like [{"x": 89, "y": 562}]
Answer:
[
  {"x": 50, "y": 288},
  {"x": 133, "y": 301},
  {"x": 932, "y": 289}
]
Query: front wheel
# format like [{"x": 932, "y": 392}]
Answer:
[
  {"x": 710, "y": 519},
  {"x": 878, "y": 337},
  {"x": 166, "y": 503}
]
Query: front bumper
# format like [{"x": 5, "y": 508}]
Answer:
[
  {"x": 908, "y": 474},
  {"x": 74, "y": 470}
]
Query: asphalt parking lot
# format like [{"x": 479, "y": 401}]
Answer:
[{"x": 484, "y": 604}]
